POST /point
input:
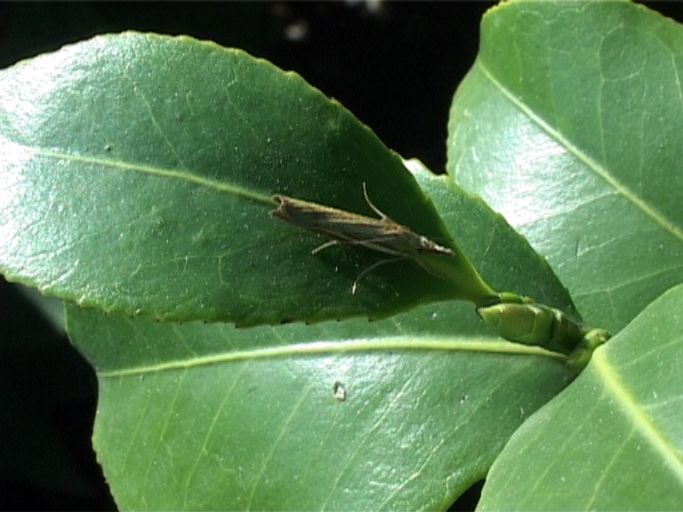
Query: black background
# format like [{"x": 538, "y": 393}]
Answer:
[{"x": 396, "y": 68}]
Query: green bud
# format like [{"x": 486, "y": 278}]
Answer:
[
  {"x": 533, "y": 324},
  {"x": 504, "y": 298}
]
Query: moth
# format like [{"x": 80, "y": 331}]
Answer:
[{"x": 379, "y": 234}]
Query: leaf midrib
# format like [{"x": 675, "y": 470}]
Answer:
[
  {"x": 599, "y": 170},
  {"x": 397, "y": 343},
  {"x": 634, "y": 411},
  {"x": 143, "y": 169}
]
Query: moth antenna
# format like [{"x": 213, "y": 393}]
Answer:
[
  {"x": 371, "y": 268},
  {"x": 325, "y": 246},
  {"x": 379, "y": 212}
]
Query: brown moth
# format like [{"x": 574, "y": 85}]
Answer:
[{"x": 383, "y": 234}]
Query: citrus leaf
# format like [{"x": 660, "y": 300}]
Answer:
[
  {"x": 570, "y": 124},
  {"x": 613, "y": 440},
  {"x": 137, "y": 171},
  {"x": 402, "y": 413}
]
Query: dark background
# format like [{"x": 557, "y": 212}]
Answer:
[{"x": 395, "y": 67}]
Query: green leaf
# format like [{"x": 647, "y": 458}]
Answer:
[
  {"x": 613, "y": 440},
  {"x": 136, "y": 178},
  {"x": 570, "y": 124},
  {"x": 402, "y": 413}
]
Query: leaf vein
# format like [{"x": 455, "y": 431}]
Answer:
[
  {"x": 634, "y": 411},
  {"x": 181, "y": 175},
  {"x": 407, "y": 343},
  {"x": 597, "y": 168}
]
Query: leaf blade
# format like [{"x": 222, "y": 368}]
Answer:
[
  {"x": 136, "y": 189},
  {"x": 245, "y": 427}
]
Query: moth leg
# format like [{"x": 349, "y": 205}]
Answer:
[
  {"x": 331, "y": 243},
  {"x": 370, "y": 269},
  {"x": 325, "y": 246},
  {"x": 379, "y": 212}
]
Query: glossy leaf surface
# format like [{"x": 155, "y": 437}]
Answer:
[
  {"x": 613, "y": 440},
  {"x": 403, "y": 413},
  {"x": 136, "y": 172},
  {"x": 570, "y": 124}
]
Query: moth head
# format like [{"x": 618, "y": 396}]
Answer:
[
  {"x": 281, "y": 211},
  {"x": 426, "y": 245}
]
